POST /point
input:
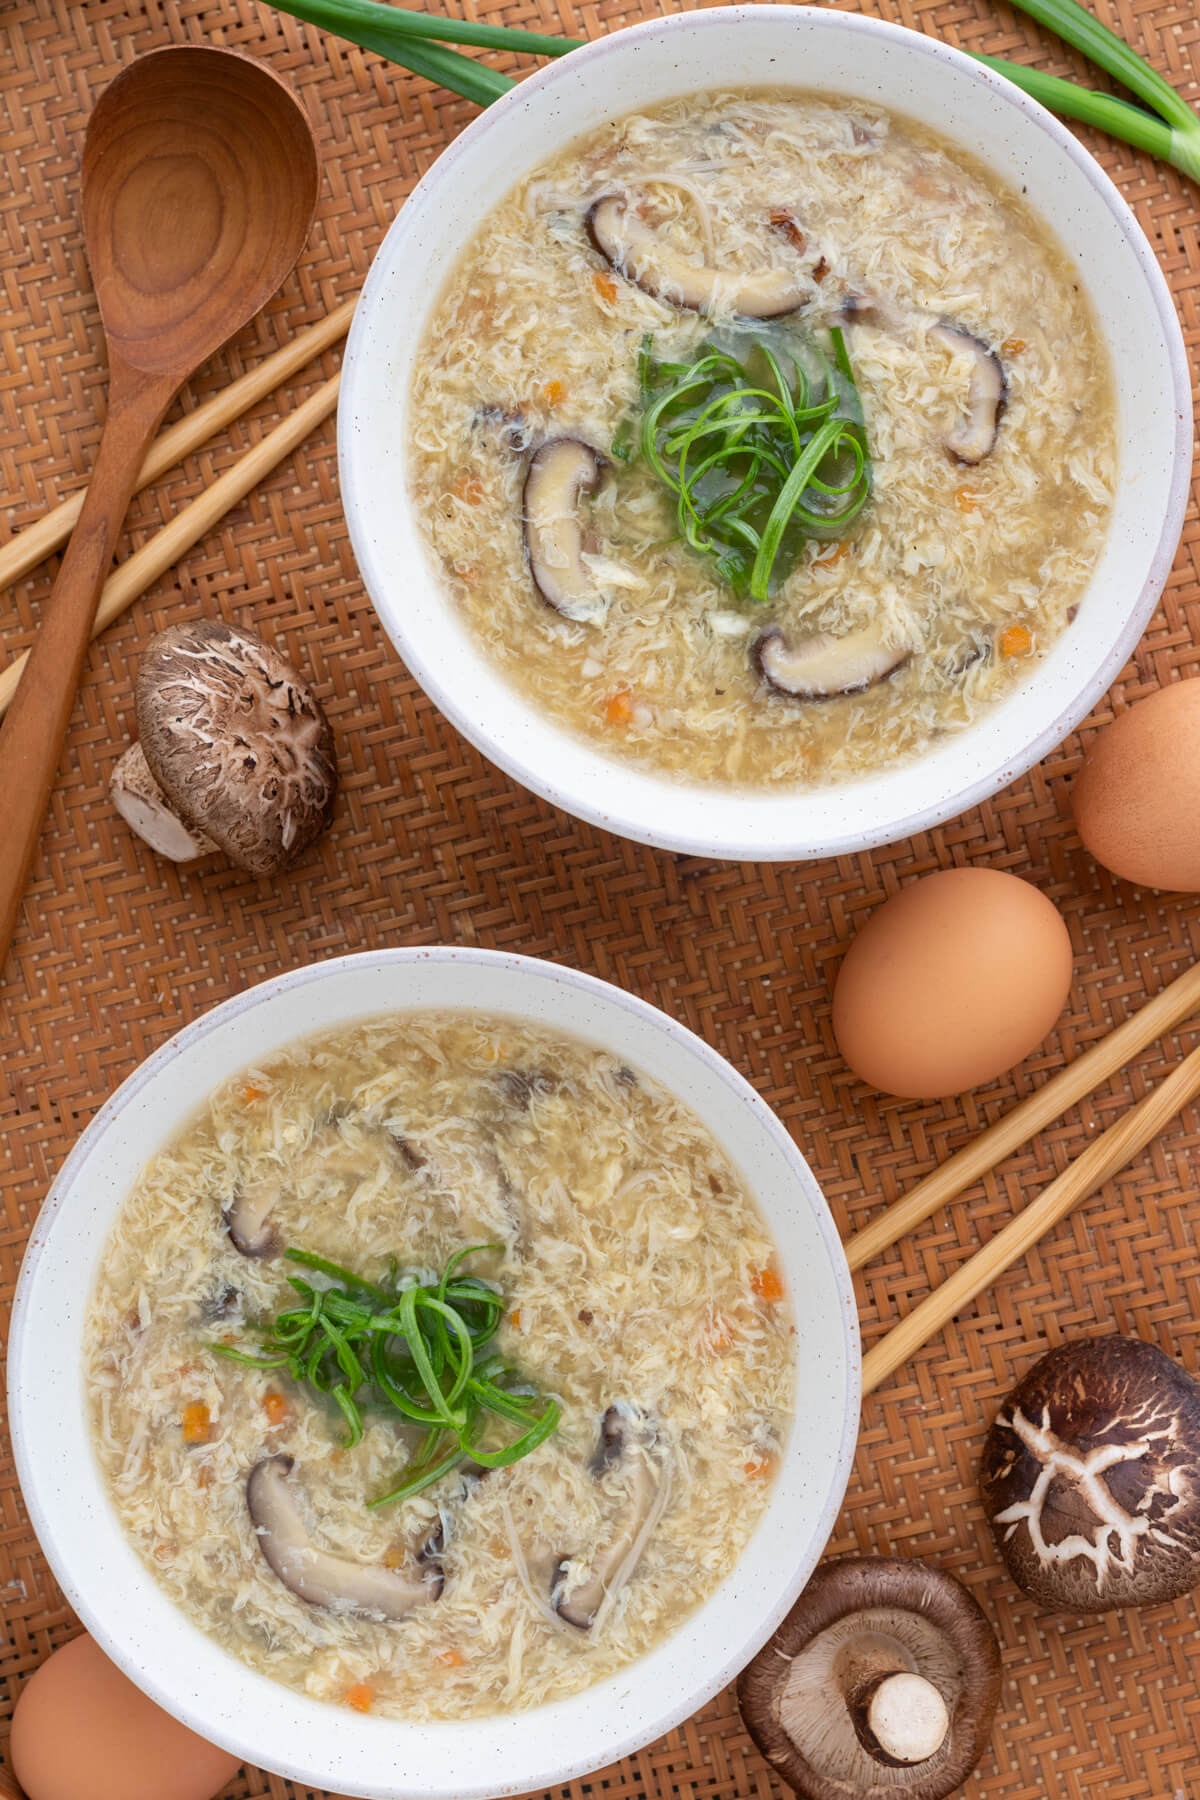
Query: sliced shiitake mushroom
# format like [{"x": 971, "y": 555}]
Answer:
[
  {"x": 627, "y": 1437},
  {"x": 317, "y": 1576},
  {"x": 560, "y": 475},
  {"x": 639, "y": 253},
  {"x": 973, "y": 436},
  {"x": 821, "y": 666},
  {"x": 249, "y": 1221}
]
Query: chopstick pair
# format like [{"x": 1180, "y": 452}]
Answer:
[
  {"x": 165, "y": 548},
  {"x": 1097, "y": 1164}
]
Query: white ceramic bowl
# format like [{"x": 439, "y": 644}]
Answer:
[
  {"x": 743, "y": 46},
  {"x": 186, "y": 1672}
]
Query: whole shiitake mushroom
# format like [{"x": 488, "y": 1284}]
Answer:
[
  {"x": 1091, "y": 1477},
  {"x": 882, "y": 1681}
]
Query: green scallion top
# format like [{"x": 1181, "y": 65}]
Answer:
[{"x": 411, "y": 1351}]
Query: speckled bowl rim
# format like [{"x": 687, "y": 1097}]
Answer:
[
  {"x": 720, "y": 828},
  {"x": 320, "y": 1745}
]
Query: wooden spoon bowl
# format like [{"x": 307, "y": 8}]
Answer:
[{"x": 200, "y": 180}]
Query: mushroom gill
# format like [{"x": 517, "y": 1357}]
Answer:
[
  {"x": 626, "y": 1444},
  {"x": 883, "y": 1679},
  {"x": 636, "y": 251},
  {"x": 822, "y": 666},
  {"x": 317, "y": 1576},
  {"x": 562, "y": 473}
]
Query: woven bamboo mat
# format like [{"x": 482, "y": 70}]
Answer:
[{"x": 432, "y": 845}]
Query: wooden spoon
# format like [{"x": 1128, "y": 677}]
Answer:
[{"x": 200, "y": 180}]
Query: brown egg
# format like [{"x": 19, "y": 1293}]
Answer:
[
  {"x": 1137, "y": 797},
  {"x": 951, "y": 982},
  {"x": 83, "y": 1731}
]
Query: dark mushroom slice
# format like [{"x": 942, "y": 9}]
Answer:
[
  {"x": 249, "y": 1222},
  {"x": 1090, "y": 1477},
  {"x": 220, "y": 1303},
  {"x": 883, "y": 1679},
  {"x": 236, "y": 745},
  {"x": 637, "y": 252},
  {"x": 627, "y": 1437},
  {"x": 317, "y": 1576},
  {"x": 821, "y": 666},
  {"x": 973, "y": 436},
  {"x": 521, "y": 1087},
  {"x": 562, "y": 473}
]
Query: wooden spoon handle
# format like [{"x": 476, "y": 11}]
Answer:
[{"x": 31, "y": 738}]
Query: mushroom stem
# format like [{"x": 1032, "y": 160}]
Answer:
[
  {"x": 899, "y": 1718},
  {"x": 147, "y": 811}
]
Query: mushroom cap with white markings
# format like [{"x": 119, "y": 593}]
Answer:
[
  {"x": 1091, "y": 1477},
  {"x": 237, "y": 741}
]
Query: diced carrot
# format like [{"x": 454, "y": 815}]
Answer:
[
  {"x": 966, "y": 500},
  {"x": 395, "y": 1556},
  {"x": 1013, "y": 346},
  {"x": 514, "y": 1318},
  {"x": 842, "y": 548},
  {"x": 276, "y": 1407},
  {"x": 720, "y": 1334},
  {"x": 766, "y": 1284},
  {"x": 449, "y": 1659},
  {"x": 605, "y": 286},
  {"x": 250, "y": 1092},
  {"x": 360, "y": 1697},
  {"x": 1015, "y": 640},
  {"x": 554, "y": 393},
  {"x": 196, "y": 1424},
  {"x": 758, "y": 1467},
  {"x": 468, "y": 487},
  {"x": 618, "y": 708}
]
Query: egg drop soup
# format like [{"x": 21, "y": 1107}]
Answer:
[
  {"x": 763, "y": 437},
  {"x": 627, "y": 1296}
]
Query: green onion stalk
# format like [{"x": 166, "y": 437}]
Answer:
[
  {"x": 1164, "y": 123},
  {"x": 412, "y": 1353}
]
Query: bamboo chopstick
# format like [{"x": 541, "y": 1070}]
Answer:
[
  {"x": 1098, "y": 1163},
  {"x": 32, "y": 545},
  {"x": 1101, "y": 1060},
  {"x": 166, "y": 546}
]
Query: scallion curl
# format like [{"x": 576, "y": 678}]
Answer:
[{"x": 408, "y": 1349}]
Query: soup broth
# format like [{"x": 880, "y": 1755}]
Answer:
[
  {"x": 986, "y": 400},
  {"x": 640, "y": 1290}
]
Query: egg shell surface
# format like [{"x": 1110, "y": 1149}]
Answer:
[
  {"x": 951, "y": 982},
  {"x": 82, "y": 1731},
  {"x": 1136, "y": 799}
]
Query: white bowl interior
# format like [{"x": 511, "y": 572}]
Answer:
[
  {"x": 756, "y": 46},
  {"x": 267, "y": 1724}
]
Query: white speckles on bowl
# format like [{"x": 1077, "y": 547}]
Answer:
[
  {"x": 186, "y": 1672},
  {"x": 749, "y": 45}
]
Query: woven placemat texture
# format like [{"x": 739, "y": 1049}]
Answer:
[{"x": 431, "y": 844}]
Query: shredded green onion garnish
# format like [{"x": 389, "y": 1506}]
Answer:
[
  {"x": 412, "y": 1350},
  {"x": 760, "y": 441}
]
